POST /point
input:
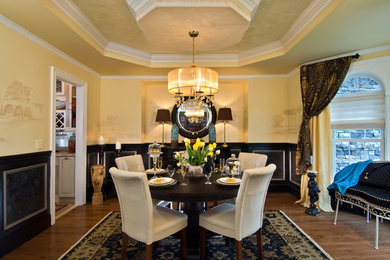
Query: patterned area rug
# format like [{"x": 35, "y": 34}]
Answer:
[{"x": 282, "y": 239}]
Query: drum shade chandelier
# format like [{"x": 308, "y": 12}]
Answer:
[{"x": 193, "y": 84}]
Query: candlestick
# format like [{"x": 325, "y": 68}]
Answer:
[
  {"x": 312, "y": 160},
  {"x": 101, "y": 140}
]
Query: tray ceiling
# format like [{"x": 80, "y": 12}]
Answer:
[{"x": 274, "y": 37}]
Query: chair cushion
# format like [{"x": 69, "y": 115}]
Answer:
[
  {"x": 219, "y": 219},
  {"x": 376, "y": 175},
  {"x": 167, "y": 222},
  {"x": 377, "y": 196}
]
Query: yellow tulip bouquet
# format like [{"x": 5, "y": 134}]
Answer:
[{"x": 196, "y": 154}]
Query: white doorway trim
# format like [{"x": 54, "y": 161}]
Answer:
[{"x": 81, "y": 137}]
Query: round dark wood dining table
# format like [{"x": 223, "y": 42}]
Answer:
[{"x": 194, "y": 194}]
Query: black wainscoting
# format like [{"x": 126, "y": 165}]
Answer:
[
  {"x": 25, "y": 198},
  {"x": 281, "y": 154}
]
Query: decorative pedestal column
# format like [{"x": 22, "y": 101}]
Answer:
[
  {"x": 313, "y": 193},
  {"x": 97, "y": 174}
]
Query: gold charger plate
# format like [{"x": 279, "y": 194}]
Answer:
[
  {"x": 228, "y": 181},
  {"x": 162, "y": 181}
]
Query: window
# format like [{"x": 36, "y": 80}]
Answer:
[
  {"x": 357, "y": 118},
  {"x": 354, "y": 145}
]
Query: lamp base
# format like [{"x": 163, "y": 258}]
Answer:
[
  {"x": 162, "y": 145},
  {"x": 225, "y": 145}
]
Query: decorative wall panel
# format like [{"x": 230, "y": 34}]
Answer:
[
  {"x": 24, "y": 193},
  {"x": 276, "y": 157}
]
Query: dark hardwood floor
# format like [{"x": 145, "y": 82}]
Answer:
[{"x": 351, "y": 238}]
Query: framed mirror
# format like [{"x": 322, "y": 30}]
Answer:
[{"x": 194, "y": 129}]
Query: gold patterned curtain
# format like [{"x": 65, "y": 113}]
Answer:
[{"x": 319, "y": 84}]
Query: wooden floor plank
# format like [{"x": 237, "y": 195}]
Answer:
[{"x": 351, "y": 238}]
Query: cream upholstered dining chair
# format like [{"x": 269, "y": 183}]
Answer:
[
  {"x": 245, "y": 217},
  {"x": 252, "y": 160},
  {"x": 249, "y": 161},
  {"x": 140, "y": 219},
  {"x": 134, "y": 163}
]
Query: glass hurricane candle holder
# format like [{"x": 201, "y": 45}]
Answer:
[{"x": 154, "y": 151}]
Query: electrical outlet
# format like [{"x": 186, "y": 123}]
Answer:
[{"x": 39, "y": 144}]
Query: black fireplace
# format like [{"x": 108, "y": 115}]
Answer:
[{"x": 25, "y": 204}]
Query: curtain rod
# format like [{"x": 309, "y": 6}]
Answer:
[{"x": 356, "y": 56}]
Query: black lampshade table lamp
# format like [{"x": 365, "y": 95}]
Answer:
[
  {"x": 225, "y": 114},
  {"x": 163, "y": 117}
]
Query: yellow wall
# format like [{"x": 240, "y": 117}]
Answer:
[
  {"x": 269, "y": 110},
  {"x": 261, "y": 110},
  {"x": 295, "y": 107},
  {"x": 121, "y": 110},
  {"x": 25, "y": 72},
  {"x": 129, "y": 107}
]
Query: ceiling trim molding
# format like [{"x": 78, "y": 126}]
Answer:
[
  {"x": 198, "y": 58},
  {"x": 146, "y": 77},
  {"x": 74, "y": 13},
  {"x": 265, "y": 49},
  {"x": 127, "y": 51},
  {"x": 308, "y": 15},
  {"x": 220, "y": 77},
  {"x": 15, "y": 27},
  {"x": 113, "y": 49},
  {"x": 245, "y": 8}
]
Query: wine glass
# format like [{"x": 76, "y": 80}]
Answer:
[
  {"x": 221, "y": 165},
  {"x": 170, "y": 170},
  {"x": 208, "y": 175},
  {"x": 183, "y": 173},
  {"x": 159, "y": 163}
]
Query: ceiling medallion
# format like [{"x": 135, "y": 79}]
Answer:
[{"x": 193, "y": 86}]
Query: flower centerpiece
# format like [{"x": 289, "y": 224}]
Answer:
[{"x": 196, "y": 156}]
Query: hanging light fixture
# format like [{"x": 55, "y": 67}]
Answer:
[
  {"x": 193, "y": 86},
  {"x": 194, "y": 110}
]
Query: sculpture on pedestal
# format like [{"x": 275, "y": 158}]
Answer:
[
  {"x": 313, "y": 193},
  {"x": 97, "y": 174}
]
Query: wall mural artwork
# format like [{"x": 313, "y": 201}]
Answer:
[
  {"x": 112, "y": 128},
  {"x": 288, "y": 122},
  {"x": 16, "y": 103},
  {"x": 18, "y": 112}
]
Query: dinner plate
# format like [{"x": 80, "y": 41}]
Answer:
[
  {"x": 158, "y": 171},
  {"x": 228, "y": 181},
  {"x": 162, "y": 181}
]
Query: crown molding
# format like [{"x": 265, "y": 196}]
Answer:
[
  {"x": 158, "y": 60},
  {"x": 245, "y": 8},
  {"x": 265, "y": 49},
  {"x": 220, "y": 77},
  {"x": 74, "y": 13},
  {"x": 311, "y": 12},
  {"x": 198, "y": 58},
  {"x": 13, "y": 26},
  {"x": 139, "y": 77},
  {"x": 127, "y": 51}
]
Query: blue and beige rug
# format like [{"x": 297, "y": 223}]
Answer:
[{"x": 282, "y": 239}]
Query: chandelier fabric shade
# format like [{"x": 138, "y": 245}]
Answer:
[{"x": 192, "y": 81}]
